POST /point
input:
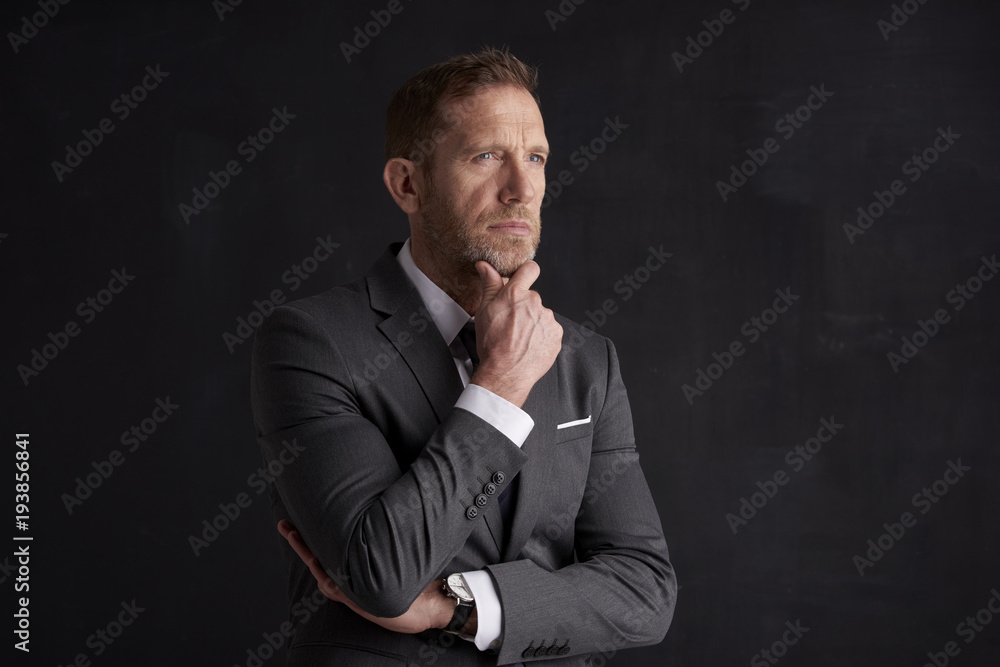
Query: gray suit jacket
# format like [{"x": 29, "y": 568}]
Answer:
[{"x": 386, "y": 486}]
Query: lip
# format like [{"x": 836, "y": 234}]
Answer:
[{"x": 516, "y": 227}]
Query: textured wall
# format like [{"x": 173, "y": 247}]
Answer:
[{"x": 813, "y": 386}]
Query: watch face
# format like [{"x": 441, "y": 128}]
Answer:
[{"x": 456, "y": 584}]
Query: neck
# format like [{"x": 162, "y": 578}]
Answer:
[{"x": 458, "y": 281}]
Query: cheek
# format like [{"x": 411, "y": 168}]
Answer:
[
  {"x": 539, "y": 186},
  {"x": 480, "y": 199},
  {"x": 472, "y": 190}
]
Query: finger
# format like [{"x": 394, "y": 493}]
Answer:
[
  {"x": 301, "y": 550},
  {"x": 331, "y": 590},
  {"x": 525, "y": 275},
  {"x": 298, "y": 545},
  {"x": 491, "y": 280},
  {"x": 323, "y": 580},
  {"x": 294, "y": 539}
]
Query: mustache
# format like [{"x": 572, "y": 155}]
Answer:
[{"x": 516, "y": 212}]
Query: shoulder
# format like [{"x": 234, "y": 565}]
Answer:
[
  {"x": 335, "y": 305},
  {"x": 583, "y": 341},
  {"x": 587, "y": 358},
  {"x": 363, "y": 302},
  {"x": 345, "y": 308},
  {"x": 329, "y": 320}
]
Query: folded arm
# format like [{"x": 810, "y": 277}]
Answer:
[
  {"x": 382, "y": 533},
  {"x": 621, "y": 592}
]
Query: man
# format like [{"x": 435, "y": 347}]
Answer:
[{"x": 468, "y": 463}]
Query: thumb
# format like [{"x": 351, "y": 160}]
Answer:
[{"x": 491, "y": 280}]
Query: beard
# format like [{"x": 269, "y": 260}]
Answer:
[{"x": 464, "y": 242}]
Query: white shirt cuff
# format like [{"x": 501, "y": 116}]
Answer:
[
  {"x": 487, "y": 608},
  {"x": 501, "y": 414}
]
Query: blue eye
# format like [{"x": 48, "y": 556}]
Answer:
[
  {"x": 537, "y": 158},
  {"x": 488, "y": 155}
]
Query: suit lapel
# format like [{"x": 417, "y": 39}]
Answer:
[{"x": 410, "y": 329}]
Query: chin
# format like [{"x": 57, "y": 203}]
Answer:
[
  {"x": 505, "y": 255},
  {"x": 507, "y": 262}
]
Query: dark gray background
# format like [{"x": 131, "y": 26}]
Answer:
[{"x": 656, "y": 184}]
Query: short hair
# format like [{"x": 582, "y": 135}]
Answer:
[{"x": 415, "y": 120}]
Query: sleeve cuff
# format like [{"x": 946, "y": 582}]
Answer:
[
  {"x": 487, "y": 609},
  {"x": 503, "y": 415}
]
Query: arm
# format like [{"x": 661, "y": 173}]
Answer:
[
  {"x": 621, "y": 594},
  {"x": 622, "y": 591},
  {"x": 383, "y": 533},
  {"x": 431, "y": 609}
]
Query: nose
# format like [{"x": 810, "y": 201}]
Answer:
[{"x": 517, "y": 185}]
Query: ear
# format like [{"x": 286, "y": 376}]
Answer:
[{"x": 404, "y": 183}]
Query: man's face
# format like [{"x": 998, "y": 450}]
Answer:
[{"x": 484, "y": 193}]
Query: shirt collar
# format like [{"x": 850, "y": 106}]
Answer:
[{"x": 448, "y": 316}]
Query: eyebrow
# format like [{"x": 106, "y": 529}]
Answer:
[{"x": 485, "y": 147}]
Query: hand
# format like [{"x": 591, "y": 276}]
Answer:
[
  {"x": 517, "y": 338},
  {"x": 431, "y": 609}
]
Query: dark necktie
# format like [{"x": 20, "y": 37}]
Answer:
[
  {"x": 468, "y": 338},
  {"x": 507, "y": 497}
]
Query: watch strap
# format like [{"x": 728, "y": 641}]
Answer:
[{"x": 460, "y": 618}]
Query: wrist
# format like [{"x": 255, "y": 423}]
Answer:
[
  {"x": 445, "y": 610},
  {"x": 511, "y": 391}
]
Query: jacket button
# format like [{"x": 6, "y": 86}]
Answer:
[
  {"x": 490, "y": 488},
  {"x": 564, "y": 650},
  {"x": 540, "y": 651},
  {"x": 553, "y": 650},
  {"x": 482, "y": 499},
  {"x": 499, "y": 477},
  {"x": 528, "y": 652},
  {"x": 471, "y": 513}
]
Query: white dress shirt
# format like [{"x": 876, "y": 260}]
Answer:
[{"x": 506, "y": 417}]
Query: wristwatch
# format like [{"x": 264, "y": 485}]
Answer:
[{"x": 456, "y": 587}]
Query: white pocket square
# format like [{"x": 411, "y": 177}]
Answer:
[{"x": 575, "y": 422}]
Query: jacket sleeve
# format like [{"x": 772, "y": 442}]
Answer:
[
  {"x": 621, "y": 592},
  {"x": 381, "y": 533}
]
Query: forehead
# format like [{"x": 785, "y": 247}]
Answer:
[{"x": 493, "y": 112}]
